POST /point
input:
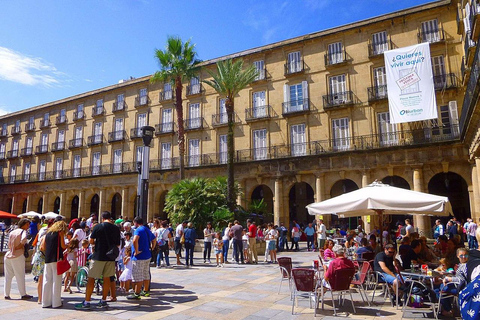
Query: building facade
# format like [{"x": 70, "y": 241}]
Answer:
[{"x": 314, "y": 124}]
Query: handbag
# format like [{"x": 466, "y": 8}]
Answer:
[
  {"x": 113, "y": 253},
  {"x": 26, "y": 248},
  {"x": 182, "y": 239},
  {"x": 62, "y": 265}
]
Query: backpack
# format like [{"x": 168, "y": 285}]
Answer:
[
  {"x": 160, "y": 240},
  {"x": 469, "y": 299},
  {"x": 403, "y": 231}
]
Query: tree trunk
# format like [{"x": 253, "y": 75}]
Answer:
[
  {"x": 231, "y": 201},
  {"x": 181, "y": 128}
]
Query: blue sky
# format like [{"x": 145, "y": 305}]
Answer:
[{"x": 51, "y": 50}]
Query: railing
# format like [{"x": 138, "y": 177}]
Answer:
[
  {"x": 463, "y": 69},
  {"x": 221, "y": 119},
  {"x": 262, "y": 75},
  {"x": 294, "y": 67},
  {"x": 58, "y": 146},
  {"x": 141, "y": 101},
  {"x": 166, "y": 95},
  {"x": 12, "y": 154},
  {"x": 98, "y": 111},
  {"x": 433, "y": 36},
  {"x": 16, "y": 130},
  {"x": 2, "y": 155},
  {"x": 333, "y": 58},
  {"x": 471, "y": 91},
  {"x": 117, "y": 136},
  {"x": 165, "y": 164},
  {"x": 338, "y": 99},
  {"x": 295, "y": 106},
  {"x": 44, "y": 124},
  {"x": 459, "y": 19},
  {"x": 29, "y": 127},
  {"x": 61, "y": 120},
  {"x": 377, "y": 93},
  {"x": 136, "y": 133},
  {"x": 164, "y": 128},
  {"x": 198, "y": 160},
  {"x": 468, "y": 44},
  {"x": 194, "y": 123},
  {"x": 195, "y": 89},
  {"x": 95, "y": 140},
  {"x": 3, "y": 133},
  {"x": 445, "y": 81},
  {"x": 43, "y": 148},
  {"x": 119, "y": 106},
  {"x": 377, "y": 49},
  {"x": 78, "y": 115},
  {"x": 258, "y": 112},
  {"x": 75, "y": 143},
  {"x": 26, "y": 152},
  {"x": 474, "y": 10}
]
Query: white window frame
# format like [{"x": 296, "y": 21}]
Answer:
[
  {"x": 222, "y": 148},
  {"x": 259, "y": 104},
  {"x": 380, "y": 81},
  {"x": 120, "y": 101},
  {"x": 335, "y": 53},
  {"x": 46, "y": 119},
  {"x": 194, "y": 152},
  {"x": 194, "y": 115},
  {"x": 118, "y": 129},
  {"x": 143, "y": 97},
  {"x": 222, "y": 111},
  {"x": 166, "y": 160},
  {"x": 294, "y": 62},
  {"x": 96, "y": 163},
  {"x": 13, "y": 173},
  {"x": 387, "y": 131},
  {"x": 26, "y": 171},
  {"x": 77, "y": 165},
  {"x": 42, "y": 169},
  {"x": 167, "y": 120},
  {"x": 341, "y": 134},
  {"x": 259, "y": 144},
  {"x": 338, "y": 89},
  {"x": 61, "y": 140},
  {"x": 167, "y": 91},
  {"x": 98, "y": 132},
  {"x": 430, "y": 31},
  {"x": 44, "y": 142},
  {"x": 298, "y": 140},
  {"x": 117, "y": 160},
  {"x": 379, "y": 42},
  {"x": 58, "y": 168},
  {"x": 194, "y": 85},
  {"x": 260, "y": 67}
]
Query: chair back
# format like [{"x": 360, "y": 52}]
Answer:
[
  {"x": 285, "y": 263},
  {"x": 342, "y": 279},
  {"x": 321, "y": 251},
  {"x": 304, "y": 279},
  {"x": 400, "y": 277},
  {"x": 368, "y": 256},
  {"x": 364, "y": 272}
]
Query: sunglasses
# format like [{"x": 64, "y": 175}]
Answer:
[
  {"x": 463, "y": 256},
  {"x": 391, "y": 252}
]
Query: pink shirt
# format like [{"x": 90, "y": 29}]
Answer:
[
  {"x": 16, "y": 237},
  {"x": 328, "y": 254}
]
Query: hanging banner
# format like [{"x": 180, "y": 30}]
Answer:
[{"x": 411, "y": 92}]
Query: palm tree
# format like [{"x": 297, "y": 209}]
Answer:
[
  {"x": 178, "y": 63},
  {"x": 230, "y": 79}
]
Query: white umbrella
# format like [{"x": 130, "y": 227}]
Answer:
[
  {"x": 30, "y": 214},
  {"x": 51, "y": 215},
  {"x": 382, "y": 199}
]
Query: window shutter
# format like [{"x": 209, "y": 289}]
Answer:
[
  {"x": 452, "y": 109},
  {"x": 305, "y": 90},
  {"x": 286, "y": 93}
]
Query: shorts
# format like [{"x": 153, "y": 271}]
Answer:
[
  {"x": 178, "y": 247},
  {"x": 101, "y": 269},
  {"x": 388, "y": 278},
  {"x": 218, "y": 251},
  {"x": 140, "y": 270},
  {"x": 73, "y": 266},
  {"x": 272, "y": 245}
]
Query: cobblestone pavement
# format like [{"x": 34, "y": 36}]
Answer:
[{"x": 202, "y": 292}]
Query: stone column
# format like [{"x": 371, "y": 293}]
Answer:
[
  {"x": 102, "y": 194},
  {"x": 370, "y": 220},
  {"x": 63, "y": 206},
  {"x": 319, "y": 195},
  {"x": 81, "y": 205},
  {"x": 151, "y": 205},
  {"x": 421, "y": 223},
  {"x": 476, "y": 179},
  {"x": 29, "y": 203},
  {"x": 14, "y": 203},
  {"x": 125, "y": 203},
  {"x": 241, "y": 201},
  {"x": 45, "y": 203},
  {"x": 277, "y": 203}
]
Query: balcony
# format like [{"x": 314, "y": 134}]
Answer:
[
  {"x": 194, "y": 124},
  {"x": 3, "y": 133},
  {"x": 259, "y": 113},
  {"x": 335, "y": 59},
  {"x": 61, "y": 120},
  {"x": 75, "y": 143},
  {"x": 16, "y": 130},
  {"x": 377, "y": 93},
  {"x": 12, "y": 154},
  {"x": 78, "y": 115},
  {"x": 468, "y": 47},
  {"x": 58, "y": 146},
  {"x": 434, "y": 36},
  {"x": 26, "y": 152},
  {"x": 475, "y": 19},
  {"x": 377, "y": 49},
  {"x": 294, "y": 67},
  {"x": 165, "y": 163},
  {"x": 2, "y": 155},
  {"x": 29, "y": 127},
  {"x": 115, "y": 136},
  {"x": 445, "y": 81},
  {"x": 95, "y": 140},
  {"x": 41, "y": 149},
  {"x": 98, "y": 111},
  {"x": 195, "y": 89},
  {"x": 136, "y": 133},
  {"x": 261, "y": 76},
  {"x": 119, "y": 106},
  {"x": 142, "y": 101},
  {"x": 338, "y": 100},
  {"x": 198, "y": 160},
  {"x": 166, "y": 96},
  {"x": 44, "y": 124},
  {"x": 165, "y": 128},
  {"x": 295, "y": 107},
  {"x": 221, "y": 119}
]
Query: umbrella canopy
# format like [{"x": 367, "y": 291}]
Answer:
[
  {"x": 382, "y": 198},
  {"x": 30, "y": 214},
  {"x": 6, "y": 215},
  {"x": 51, "y": 215}
]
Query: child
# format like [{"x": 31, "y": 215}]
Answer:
[
  {"x": 83, "y": 253},
  {"x": 218, "y": 247},
  {"x": 126, "y": 276},
  {"x": 271, "y": 238},
  {"x": 71, "y": 252},
  {"x": 69, "y": 237},
  {"x": 245, "y": 244},
  {"x": 128, "y": 242}
]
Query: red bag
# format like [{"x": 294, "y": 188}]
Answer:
[{"x": 62, "y": 265}]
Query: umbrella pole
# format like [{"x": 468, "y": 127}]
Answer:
[{"x": 380, "y": 217}]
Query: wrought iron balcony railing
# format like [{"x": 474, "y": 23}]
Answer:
[
  {"x": 75, "y": 143},
  {"x": 12, "y": 154},
  {"x": 43, "y": 148},
  {"x": 3, "y": 155},
  {"x": 295, "y": 107},
  {"x": 165, "y": 128},
  {"x": 3, "y": 133},
  {"x": 29, "y": 127},
  {"x": 377, "y": 93},
  {"x": 115, "y": 136},
  {"x": 44, "y": 123},
  {"x": 61, "y": 120},
  {"x": 221, "y": 119},
  {"x": 16, "y": 130},
  {"x": 338, "y": 99},
  {"x": 194, "y": 123},
  {"x": 445, "y": 81},
  {"x": 262, "y": 75},
  {"x": 95, "y": 140},
  {"x": 294, "y": 67},
  {"x": 377, "y": 49},
  {"x": 335, "y": 58},
  {"x": 141, "y": 101},
  {"x": 98, "y": 111},
  {"x": 166, "y": 95},
  {"x": 432, "y": 36},
  {"x": 258, "y": 113},
  {"x": 194, "y": 89},
  {"x": 78, "y": 115},
  {"x": 25, "y": 152},
  {"x": 136, "y": 133},
  {"x": 119, "y": 106},
  {"x": 58, "y": 146}
]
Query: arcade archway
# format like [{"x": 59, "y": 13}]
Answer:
[
  {"x": 161, "y": 206},
  {"x": 94, "y": 204},
  {"x": 452, "y": 185},
  {"x": 265, "y": 193},
  {"x": 116, "y": 208},
  {"x": 40, "y": 205},
  {"x": 300, "y": 195},
  {"x": 340, "y": 187},
  {"x": 56, "y": 206},
  {"x": 74, "y": 208}
]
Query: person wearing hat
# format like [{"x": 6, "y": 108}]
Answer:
[{"x": 340, "y": 262}]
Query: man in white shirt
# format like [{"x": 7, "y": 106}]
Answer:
[
  {"x": 471, "y": 231},
  {"x": 321, "y": 233},
  {"x": 178, "y": 244}
]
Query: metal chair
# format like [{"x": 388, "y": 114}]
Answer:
[
  {"x": 305, "y": 284},
  {"x": 387, "y": 288},
  {"x": 361, "y": 282},
  {"x": 285, "y": 265},
  {"x": 340, "y": 285},
  {"x": 447, "y": 295}
]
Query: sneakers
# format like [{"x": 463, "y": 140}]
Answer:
[
  {"x": 145, "y": 293},
  {"x": 102, "y": 304},
  {"x": 209, "y": 261},
  {"x": 27, "y": 297},
  {"x": 133, "y": 296},
  {"x": 83, "y": 306}
]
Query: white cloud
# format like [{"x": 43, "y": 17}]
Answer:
[
  {"x": 3, "y": 111},
  {"x": 20, "y": 68}
]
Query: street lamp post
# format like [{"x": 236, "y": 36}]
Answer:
[{"x": 143, "y": 168}]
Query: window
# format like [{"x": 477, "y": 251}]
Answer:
[
  {"x": 97, "y": 133},
  {"x": 380, "y": 80},
  {"x": 46, "y": 119},
  {"x": 260, "y": 144},
  {"x": 143, "y": 98},
  {"x": 118, "y": 130},
  {"x": 430, "y": 31},
  {"x": 449, "y": 120},
  {"x": 222, "y": 111},
  {"x": 58, "y": 168},
  {"x": 77, "y": 163},
  {"x": 63, "y": 116},
  {"x": 99, "y": 107},
  {"x": 259, "y": 104},
  {"x": 296, "y": 97},
  {"x": 379, "y": 42},
  {"x": 31, "y": 123},
  {"x": 294, "y": 63},
  {"x": 96, "y": 163},
  {"x": 167, "y": 120},
  {"x": 80, "y": 111},
  {"x": 260, "y": 66},
  {"x": 61, "y": 140},
  {"x": 13, "y": 173},
  {"x": 439, "y": 74},
  {"x": 337, "y": 86},
  {"x": 341, "y": 135},
  {"x": 388, "y": 131},
  {"x": 222, "y": 148},
  {"x": 298, "y": 140},
  {"x": 167, "y": 91},
  {"x": 194, "y": 152},
  {"x": 78, "y": 136},
  {"x": 29, "y": 146},
  {"x": 166, "y": 155},
  {"x": 141, "y": 122},
  {"x": 17, "y": 126},
  {"x": 15, "y": 148},
  {"x": 194, "y": 114},
  {"x": 44, "y": 143},
  {"x": 139, "y": 154},
  {"x": 117, "y": 160},
  {"x": 2, "y": 150},
  {"x": 194, "y": 85},
  {"x": 335, "y": 53},
  {"x": 26, "y": 171},
  {"x": 120, "y": 102},
  {"x": 4, "y": 129},
  {"x": 42, "y": 168}
]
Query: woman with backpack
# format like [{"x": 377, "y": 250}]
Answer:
[{"x": 163, "y": 236}]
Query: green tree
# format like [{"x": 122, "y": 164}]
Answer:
[
  {"x": 178, "y": 63},
  {"x": 228, "y": 81}
]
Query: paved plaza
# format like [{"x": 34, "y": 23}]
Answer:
[{"x": 201, "y": 292}]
